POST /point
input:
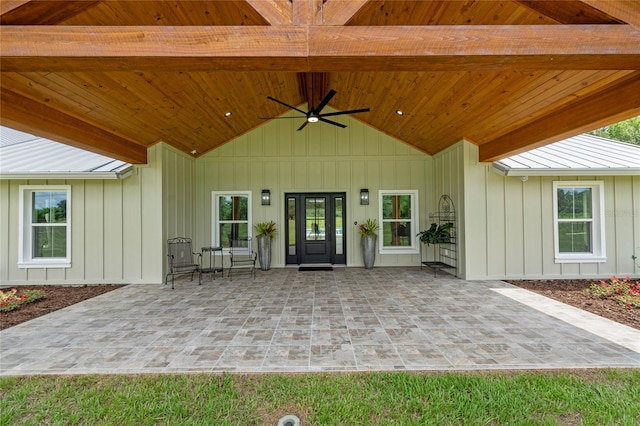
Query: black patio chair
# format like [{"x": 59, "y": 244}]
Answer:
[
  {"x": 241, "y": 255},
  {"x": 182, "y": 259}
]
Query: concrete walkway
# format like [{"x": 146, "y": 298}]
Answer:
[{"x": 349, "y": 319}]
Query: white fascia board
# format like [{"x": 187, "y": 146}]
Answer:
[
  {"x": 122, "y": 174},
  {"x": 609, "y": 171}
]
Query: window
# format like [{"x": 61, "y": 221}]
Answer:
[
  {"x": 398, "y": 222},
  {"x": 45, "y": 227},
  {"x": 231, "y": 218},
  {"x": 579, "y": 222}
]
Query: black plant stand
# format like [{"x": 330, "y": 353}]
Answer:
[{"x": 445, "y": 256}]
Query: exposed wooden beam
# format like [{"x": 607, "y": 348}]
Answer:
[
  {"x": 126, "y": 48},
  {"x": 319, "y": 48},
  {"x": 7, "y": 6},
  {"x": 612, "y": 104},
  {"x": 339, "y": 12},
  {"x": 569, "y": 12},
  {"x": 307, "y": 12},
  {"x": 469, "y": 47},
  {"x": 275, "y": 12},
  {"x": 313, "y": 87},
  {"x": 29, "y": 116},
  {"x": 50, "y": 12},
  {"x": 625, "y": 10}
]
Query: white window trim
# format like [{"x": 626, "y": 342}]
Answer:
[
  {"x": 215, "y": 221},
  {"x": 599, "y": 241},
  {"x": 414, "y": 248},
  {"x": 25, "y": 237}
]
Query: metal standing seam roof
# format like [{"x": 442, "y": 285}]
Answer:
[
  {"x": 25, "y": 156},
  {"x": 580, "y": 155}
]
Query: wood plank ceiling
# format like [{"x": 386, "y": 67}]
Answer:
[{"x": 117, "y": 76}]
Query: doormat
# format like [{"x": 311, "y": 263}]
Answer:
[{"x": 315, "y": 268}]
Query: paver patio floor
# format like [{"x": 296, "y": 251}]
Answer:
[{"x": 349, "y": 319}]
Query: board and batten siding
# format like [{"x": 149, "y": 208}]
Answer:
[
  {"x": 509, "y": 225},
  {"x": 178, "y": 199},
  {"x": 448, "y": 179},
  {"x": 320, "y": 158},
  {"x": 115, "y": 234}
]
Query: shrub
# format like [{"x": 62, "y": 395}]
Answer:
[
  {"x": 625, "y": 291},
  {"x": 11, "y": 299}
]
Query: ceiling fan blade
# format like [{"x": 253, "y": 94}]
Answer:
[
  {"x": 324, "y": 120},
  {"x": 287, "y": 105},
  {"x": 325, "y": 101},
  {"x": 281, "y": 118},
  {"x": 314, "y": 114},
  {"x": 352, "y": 111}
]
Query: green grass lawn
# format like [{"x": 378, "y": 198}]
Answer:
[{"x": 596, "y": 397}]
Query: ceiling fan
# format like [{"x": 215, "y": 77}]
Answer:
[{"x": 315, "y": 114}]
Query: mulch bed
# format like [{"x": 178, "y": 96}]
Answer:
[
  {"x": 56, "y": 297},
  {"x": 570, "y": 292}
]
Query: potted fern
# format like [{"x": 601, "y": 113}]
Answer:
[
  {"x": 436, "y": 234},
  {"x": 265, "y": 232},
  {"x": 369, "y": 235}
]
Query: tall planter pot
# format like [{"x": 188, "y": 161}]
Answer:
[
  {"x": 369, "y": 250},
  {"x": 264, "y": 252}
]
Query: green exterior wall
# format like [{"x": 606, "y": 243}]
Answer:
[
  {"x": 508, "y": 225},
  {"x": 115, "y": 228},
  {"x": 320, "y": 158}
]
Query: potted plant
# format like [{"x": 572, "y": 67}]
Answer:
[
  {"x": 369, "y": 235},
  {"x": 265, "y": 232},
  {"x": 436, "y": 234}
]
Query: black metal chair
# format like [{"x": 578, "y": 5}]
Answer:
[
  {"x": 182, "y": 259},
  {"x": 241, "y": 255}
]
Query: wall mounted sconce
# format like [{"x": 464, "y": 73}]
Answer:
[
  {"x": 364, "y": 197},
  {"x": 266, "y": 197}
]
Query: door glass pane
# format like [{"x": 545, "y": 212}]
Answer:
[
  {"x": 291, "y": 222},
  {"x": 339, "y": 225},
  {"x": 315, "y": 223}
]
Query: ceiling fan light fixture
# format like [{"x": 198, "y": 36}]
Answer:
[{"x": 313, "y": 115}]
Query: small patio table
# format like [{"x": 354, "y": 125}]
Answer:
[{"x": 209, "y": 266}]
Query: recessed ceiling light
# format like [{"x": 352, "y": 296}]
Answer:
[
  {"x": 399, "y": 112},
  {"x": 228, "y": 114}
]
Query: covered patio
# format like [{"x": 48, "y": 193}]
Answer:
[{"x": 348, "y": 319}]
